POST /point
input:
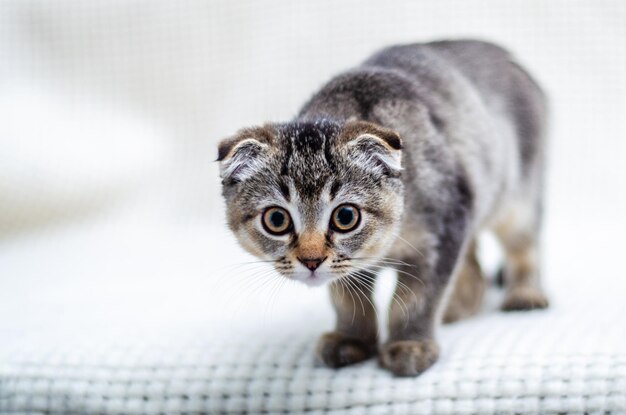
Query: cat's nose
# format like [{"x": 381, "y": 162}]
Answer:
[{"x": 312, "y": 263}]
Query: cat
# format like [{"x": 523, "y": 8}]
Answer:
[{"x": 399, "y": 162}]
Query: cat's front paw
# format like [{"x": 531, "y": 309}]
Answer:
[
  {"x": 336, "y": 350},
  {"x": 524, "y": 298},
  {"x": 409, "y": 357}
]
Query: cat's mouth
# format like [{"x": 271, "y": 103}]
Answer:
[{"x": 313, "y": 278}]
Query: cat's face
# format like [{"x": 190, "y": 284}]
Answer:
[{"x": 319, "y": 200}]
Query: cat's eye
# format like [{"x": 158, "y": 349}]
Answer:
[
  {"x": 345, "y": 218},
  {"x": 276, "y": 221}
]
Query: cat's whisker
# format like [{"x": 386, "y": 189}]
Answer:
[
  {"x": 402, "y": 286},
  {"x": 343, "y": 287},
  {"x": 364, "y": 264},
  {"x": 250, "y": 275},
  {"x": 238, "y": 265},
  {"x": 344, "y": 280},
  {"x": 268, "y": 261},
  {"x": 341, "y": 267},
  {"x": 403, "y": 272},
  {"x": 259, "y": 281},
  {"x": 382, "y": 260},
  {"x": 411, "y": 246},
  {"x": 398, "y": 300},
  {"x": 396, "y": 295},
  {"x": 242, "y": 275},
  {"x": 383, "y": 266},
  {"x": 250, "y": 286},
  {"x": 355, "y": 287},
  {"x": 369, "y": 284},
  {"x": 365, "y": 278},
  {"x": 235, "y": 267},
  {"x": 273, "y": 296}
]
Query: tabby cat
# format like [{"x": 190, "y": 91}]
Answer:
[{"x": 399, "y": 162}]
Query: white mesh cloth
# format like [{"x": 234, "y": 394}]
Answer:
[{"x": 553, "y": 362}]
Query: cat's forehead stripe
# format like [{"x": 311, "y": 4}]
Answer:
[
  {"x": 306, "y": 141},
  {"x": 284, "y": 189},
  {"x": 334, "y": 189},
  {"x": 307, "y": 150},
  {"x": 307, "y": 138}
]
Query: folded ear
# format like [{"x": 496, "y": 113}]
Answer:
[
  {"x": 241, "y": 156},
  {"x": 373, "y": 147}
]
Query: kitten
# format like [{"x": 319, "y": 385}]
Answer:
[{"x": 398, "y": 162}]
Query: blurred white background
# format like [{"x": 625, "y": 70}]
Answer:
[{"x": 110, "y": 111}]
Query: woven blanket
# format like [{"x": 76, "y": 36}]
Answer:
[{"x": 554, "y": 362}]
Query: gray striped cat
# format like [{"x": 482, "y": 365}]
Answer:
[{"x": 399, "y": 162}]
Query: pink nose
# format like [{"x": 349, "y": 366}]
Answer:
[{"x": 312, "y": 263}]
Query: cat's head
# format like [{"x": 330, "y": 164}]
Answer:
[{"x": 318, "y": 199}]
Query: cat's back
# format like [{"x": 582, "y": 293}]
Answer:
[
  {"x": 446, "y": 69},
  {"x": 450, "y": 70},
  {"x": 467, "y": 55},
  {"x": 489, "y": 68}
]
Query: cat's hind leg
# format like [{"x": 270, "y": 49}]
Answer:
[
  {"x": 469, "y": 288},
  {"x": 518, "y": 232}
]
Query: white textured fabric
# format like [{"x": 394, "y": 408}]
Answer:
[
  {"x": 121, "y": 291},
  {"x": 523, "y": 364}
]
